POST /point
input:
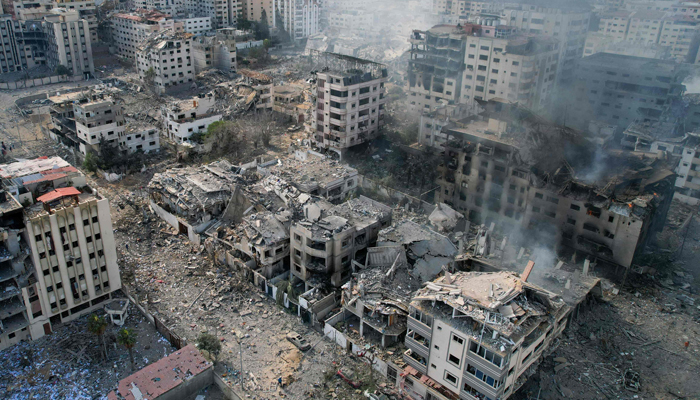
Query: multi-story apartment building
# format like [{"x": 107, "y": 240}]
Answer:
[
  {"x": 466, "y": 337},
  {"x": 32, "y": 10},
  {"x": 129, "y": 30},
  {"x": 457, "y": 65},
  {"x": 169, "y": 55},
  {"x": 350, "y": 20},
  {"x": 300, "y": 18},
  {"x": 255, "y": 10},
  {"x": 97, "y": 120},
  {"x": 516, "y": 68},
  {"x": 495, "y": 172},
  {"x": 618, "y": 89},
  {"x": 16, "y": 54},
  {"x": 185, "y": 118},
  {"x": 62, "y": 250},
  {"x": 682, "y": 36},
  {"x": 463, "y": 8},
  {"x": 349, "y": 106},
  {"x": 436, "y": 67},
  {"x": 197, "y": 25},
  {"x": 68, "y": 42},
  {"x": 326, "y": 242},
  {"x": 677, "y": 32},
  {"x": 221, "y": 12},
  {"x": 170, "y": 7},
  {"x": 87, "y": 11},
  {"x": 615, "y": 24},
  {"x": 599, "y": 42},
  {"x": 566, "y": 22}
]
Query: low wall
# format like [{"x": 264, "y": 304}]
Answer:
[
  {"x": 39, "y": 82},
  {"x": 226, "y": 389},
  {"x": 189, "y": 388}
]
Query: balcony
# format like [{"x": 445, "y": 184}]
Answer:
[
  {"x": 419, "y": 327},
  {"x": 416, "y": 361}
]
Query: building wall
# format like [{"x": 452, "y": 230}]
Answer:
[
  {"x": 88, "y": 268},
  {"x": 347, "y": 115},
  {"x": 172, "y": 64},
  {"x": 146, "y": 140},
  {"x": 74, "y": 50},
  {"x": 128, "y": 33},
  {"x": 253, "y": 10},
  {"x": 197, "y": 25}
]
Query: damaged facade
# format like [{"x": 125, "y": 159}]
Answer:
[
  {"x": 129, "y": 30},
  {"x": 60, "y": 259},
  {"x": 185, "y": 118},
  {"x": 349, "y": 102},
  {"x": 478, "y": 335},
  {"x": 262, "y": 87},
  {"x": 327, "y": 240},
  {"x": 168, "y": 54},
  {"x": 603, "y": 202},
  {"x": 217, "y": 51},
  {"x": 459, "y": 64}
]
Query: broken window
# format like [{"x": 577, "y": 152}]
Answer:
[{"x": 575, "y": 207}]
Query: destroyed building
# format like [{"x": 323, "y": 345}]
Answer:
[
  {"x": 215, "y": 51},
  {"x": 375, "y": 299},
  {"x": 57, "y": 285},
  {"x": 349, "y": 102},
  {"x": 478, "y": 335},
  {"x": 97, "y": 120},
  {"x": 191, "y": 199},
  {"x": 184, "y": 118},
  {"x": 664, "y": 137},
  {"x": 513, "y": 168},
  {"x": 326, "y": 242},
  {"x": 164, "y": 60},
  {"x": 314, "y": 174},
  {"x": 262, "y": 86},
  {"x": 291, "y": 100},
  {"x": 427, "y": 252},
  {"x": 129, "y": 30}
]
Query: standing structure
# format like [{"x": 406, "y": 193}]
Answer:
[
  {"x": 349, "y": 102},
  {"x": 166, "y": 59},
  {"x": 68, "y": 42},
  {"x": 300, "y": 18},
  {"x": 185, "y": 118},
  {"x": 129, "y": 30},
  {"x": 61, "y": 250},
  {"x": 475, "y": 335}
]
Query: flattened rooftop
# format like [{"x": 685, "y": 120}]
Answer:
[
  {"x": 29, "y": 167},
  {"x": 161, "y": 376}
]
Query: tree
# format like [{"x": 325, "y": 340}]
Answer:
[
  {"x": 267, "y": 43},
  {"x": 98, "y": 325},
  {"x": 127, "y": 338},
  {"x": 262, "y": 30},
  {"x": 149, "y": 78},
  {"x": 63, "y": 70},
  {"x": 210, "y": 344},
  {"x": 90, "y": 162}
]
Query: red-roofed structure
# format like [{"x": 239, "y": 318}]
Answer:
[
  {"x": 177, "y": 376},
  {"x": 57, "y": 194}
]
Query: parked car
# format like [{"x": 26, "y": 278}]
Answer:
[
  {"x": 348, "y": 376},
  {"x": 298, "y": 341}
]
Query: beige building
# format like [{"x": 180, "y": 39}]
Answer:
[
  {"x": 300, "y": 18},
  {"x": 615, "y": 24},
  {"x": 254, "y": 10},
  {"x": 30, "y": 10},
  {"x": 71, "y": 267},
  {"x": 169, "y": 55},
  {"x": 171, "y": 7},
  {"x": 69, "y": 44},
  {"x": 223, "y": 13},
  {"x": 349, "y": 106},
  {"x": 129, "y": 30},
  {"x": 87, "y": 11},
  {"x": 468, "y": 337},
  {"x": 218, "y": 51},
  {"x": 327, "y": 240},
  {"x": 97, "y": 120}
]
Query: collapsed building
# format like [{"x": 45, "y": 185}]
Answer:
[
  {"x": 262, "y": 86},
  {"x": 59, "y": 257},
  {"x": 314, "y": 174},
  {"x": 479, "y": 335},
  {"x": 129, "y": 30},
  {"x": 515, "y": 169},
  {"x": 214, "y": 51},
  {"x": 291, "y": 100}
]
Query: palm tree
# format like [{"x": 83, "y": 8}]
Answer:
[
  {"x": 127, "y": 338},
  {"x": 98, "y": 325}
]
